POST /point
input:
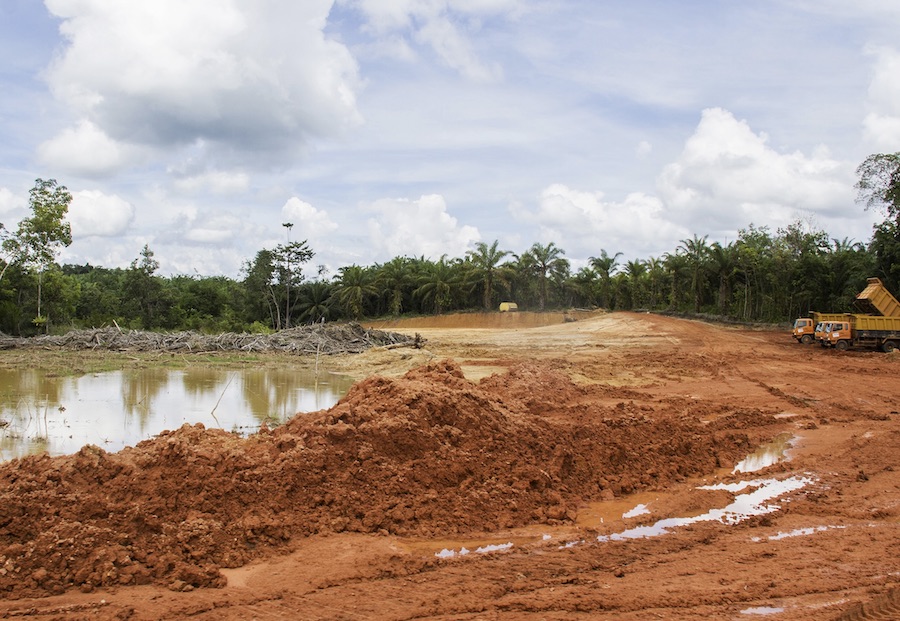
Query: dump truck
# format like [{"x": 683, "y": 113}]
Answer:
[
  {"x": 875, "y": 299},
  {"x": 806, "y": 329},
  {"x": 863, "y": 330}
]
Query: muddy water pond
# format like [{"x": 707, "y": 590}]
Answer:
[{"x": 41, "y": 412}]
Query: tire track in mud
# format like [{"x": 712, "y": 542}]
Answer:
[{"x": 885, "y": 607}]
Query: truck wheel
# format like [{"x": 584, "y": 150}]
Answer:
[
  {"x": 889, "y": 347},
  {"x": 806, "y": 339},
  {"x": 842, "y": 345}
]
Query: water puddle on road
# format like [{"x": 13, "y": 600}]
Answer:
[
  {"x": 766, "y": 455},
  {"x": 757, "y": 502},
  {"x": 762, "y": 610},
  {"x": 751, "y": 498}
]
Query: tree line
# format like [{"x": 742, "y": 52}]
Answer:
[{"x": 763, "y": 275}]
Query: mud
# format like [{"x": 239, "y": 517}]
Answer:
[{"x": 514, "y": 434}]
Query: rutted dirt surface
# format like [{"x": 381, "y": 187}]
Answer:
[{"x": 526, "y": 446}]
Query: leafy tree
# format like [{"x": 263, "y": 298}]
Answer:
[
  {"x": 879, "y": 186},
  {"x": 144, "y": 289},
  {"x": 485, "y": 261},
  {"x": 879, "y": 182},
  {"x": 289, "y": 259},
  {"x": 259, "y": 287},
  {"x": 40, "y": 237}
]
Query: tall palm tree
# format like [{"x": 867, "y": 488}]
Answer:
[
  {"x": 656, "y": 274},
  {"x": 436, "y": 284},
  {"x": 584, "y": 285},
  {"x": 315, "y": 301},
  {"x": 723, "y": 265},
  {"x": 485, "y": 262},
  {"x": 354, "y": 288},
  {"x": 395, "y": 277},
  {"x": 546, "y": 262},
  {"x": 677, "y": 268},
  {"x": 635, "y": 271},
  {"x": 605, "y": 266},
  {"x": 696, "y": 250}
]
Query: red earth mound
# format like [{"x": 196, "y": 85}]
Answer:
[{"x": 429, "y": 453}]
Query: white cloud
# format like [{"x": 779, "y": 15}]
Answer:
[
  {"x": 583, "y": 223},
  {"x": 84, "y": 149},
  {"x": 727, "y": 177},
  {"x": 404, "y": 227},
  {"x": 95, "y": 214},
  {"x": 217, "y": 182},
  {"x": 205, "y": 228},
  {"x": 246, "y": 77},
  {"x": 643, "y": 149},
  {"x": 309, "y": 223},
  {"x": 10, "y": 203},
  {"x": 448, "y": 28},
  {"x": 882, "y": 123}
]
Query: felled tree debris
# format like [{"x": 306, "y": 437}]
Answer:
[{"x": 325, "y": 339}]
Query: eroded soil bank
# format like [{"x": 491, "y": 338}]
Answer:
[{"x": 487, "y": 434}]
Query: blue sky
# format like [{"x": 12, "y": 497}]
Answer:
[{"x": 421, "y": 127}]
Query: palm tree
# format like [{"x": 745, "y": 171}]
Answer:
[
  {"x": 605, "y": 266},
  {"x": 635, "y": 271},
  {"x": 723, "y": 265},
  {"x": 354, "y": 288},
  {"x": 584, "y": 285},
  {"x": 677, "y": 267},
  {"x": 395, "y": 278},
  {"x": 315, "y": 301},
  {"x": 696, "y": 250},
  {"x": 546, "y": 262},
  {"x": 436, "y": 284},
  {"x": 485, "y": 262},
  {"x": 656, "y": 275}
]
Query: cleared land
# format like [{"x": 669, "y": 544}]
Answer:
[{"x": 535, "y": 431}]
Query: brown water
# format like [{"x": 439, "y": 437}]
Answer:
[{"x": 112, "y": 410}]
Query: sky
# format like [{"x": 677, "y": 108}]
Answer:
[{"x": 385, "y": 128}]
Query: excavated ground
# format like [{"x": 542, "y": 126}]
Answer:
[{"x": 527, "y": 441}]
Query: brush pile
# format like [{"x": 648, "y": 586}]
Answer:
[{"x": 326, "y": 339}]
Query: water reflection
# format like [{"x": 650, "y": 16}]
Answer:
[{"x": 40, "y": 412}]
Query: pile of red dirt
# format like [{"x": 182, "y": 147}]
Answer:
[{"x": 430, "y": 453}]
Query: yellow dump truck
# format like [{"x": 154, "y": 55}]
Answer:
[
  {"x": 875, "y": 299},
  {"x": 808, "y": 329},
  {"x": 863, "y": 330}
]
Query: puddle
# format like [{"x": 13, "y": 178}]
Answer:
[
  {"x": 614, "y": 510},
  {"x": 641, "y": 509},
  {"x": 799, "y": 532},
  {"x": 744, "y": 506},
  {"x": 445, "y": 553},
  {"x": 757, "y": 501},
  {"x": 766, "y": 455},
  {"x": 59, "y": 415},
  {"x": 762, "y": 610}
]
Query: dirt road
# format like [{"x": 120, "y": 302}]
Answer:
[{"x": 581, "y": 469}]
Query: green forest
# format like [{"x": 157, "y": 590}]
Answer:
[{"x": 762, "y": 276}]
